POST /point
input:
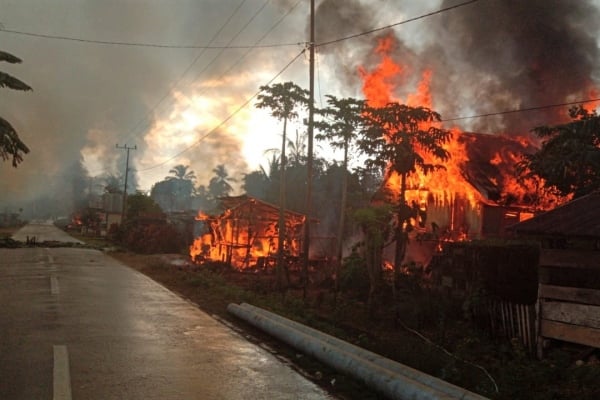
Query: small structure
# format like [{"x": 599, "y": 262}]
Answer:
[
  {"x": 569, "y": 271},
  {"x": 246, "y": 233}
]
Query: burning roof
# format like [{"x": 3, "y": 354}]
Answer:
[{"x": 490, "y": 165}]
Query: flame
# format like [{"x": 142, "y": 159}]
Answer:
[
  {"x": 447, "y": 195},
  {"x": 246, "y": 236}
]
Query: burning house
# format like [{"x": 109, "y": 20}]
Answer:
[{"x": 246, "y": 234}]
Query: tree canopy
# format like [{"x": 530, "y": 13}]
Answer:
[
  {"x": 11, "y": 146},
  {"x": 569, "y": 160}
]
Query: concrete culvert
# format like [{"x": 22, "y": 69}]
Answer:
[{"x": 390, "y": 378}]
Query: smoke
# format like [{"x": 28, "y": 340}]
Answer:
[
  {"x": 485, "y": 57},
  {"x": 511, "y": 54},
  {"x": 89, "y": 97}
]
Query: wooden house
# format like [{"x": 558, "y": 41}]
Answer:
[
  {"x": 569, "y": 271},
  {"x": 246, "y": 234}
]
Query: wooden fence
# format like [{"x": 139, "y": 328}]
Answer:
[
  {"x": 510, "y": 320},
  {"x": 569, "y": 314},
  {"x": 563, "y": 313}
]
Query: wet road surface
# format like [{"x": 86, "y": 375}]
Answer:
[{"x": 76, "y": 323}]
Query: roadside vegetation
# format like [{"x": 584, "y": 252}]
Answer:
[{"x": 427, "y": 329}]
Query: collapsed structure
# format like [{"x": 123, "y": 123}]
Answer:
[{"x": 246, "y": 234}]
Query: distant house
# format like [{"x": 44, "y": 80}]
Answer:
[{"x": 247, "y": 233}]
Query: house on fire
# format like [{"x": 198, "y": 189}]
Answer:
[
  {"x": 476, "y": 196},
  {"x": 246, "y": 234}
]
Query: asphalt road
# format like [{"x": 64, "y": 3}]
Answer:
[{"x": 77, "y": 324}]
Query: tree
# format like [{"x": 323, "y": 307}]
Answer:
[
  {"x": 10, "y": 143},
  {"x": 283, "y": 99},
  {"x": 568, "y": 162},
  {"x": 219, "y": 185},
  {"x": 374, "y": 222},
  {"x": 345, "y": 118},
  {"x": 175, "y": 192},
  {"x": 182, "y": 172},
  {"x": 397, "y": 137}
]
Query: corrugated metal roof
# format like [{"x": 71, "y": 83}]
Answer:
[{"x": 579, "y": 217}]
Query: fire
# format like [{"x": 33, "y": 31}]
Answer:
[
  {"x": 453, "y": 197},
  {"x": 246, "y": 235}
]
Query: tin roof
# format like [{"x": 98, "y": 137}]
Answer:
[{"x": 578, "y": 218}]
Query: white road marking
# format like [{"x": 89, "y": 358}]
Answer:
[
  {"x": 62, "y": 375},
  {"x": 54, "y": 289}
]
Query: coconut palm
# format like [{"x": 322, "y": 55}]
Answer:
[{"x": 182, "y": 172}]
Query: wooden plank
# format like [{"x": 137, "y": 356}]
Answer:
[
  {"x": 571, "y": 313},
  {"x": 577, "y": 295},
  {"x": 571, "y": 333}
]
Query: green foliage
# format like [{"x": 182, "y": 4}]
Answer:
[
  {"x": 394, "y": 136},
  {"x": 569, "y": 159},
  {"x": 283, "y": 99},
  {"x": 140, "y": 205},
  {"x": 152, "y": 238},
  {"x": 11, "y": 146},
  {"x": 354, "y": 278}
]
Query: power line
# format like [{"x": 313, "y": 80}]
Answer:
[
  {"x": 139, "y": 44},
  {"x": 239, "y": 60},
  {"x": 571, "y": 103},
  {"x": 212, "y": 39},
  {"x": 442, "y": 10},
  {"x": 236, "y": 111}
]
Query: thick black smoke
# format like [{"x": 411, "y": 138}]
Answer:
[
  {"x": 512, "y": 54},
  {"x": 486, "y": 57}
]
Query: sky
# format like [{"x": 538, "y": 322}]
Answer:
[{"x": 195, "y": 106}]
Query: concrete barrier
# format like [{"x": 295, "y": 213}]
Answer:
[{"x": 390, "y": 378}]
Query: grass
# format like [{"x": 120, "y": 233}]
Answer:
[{"x": 516, "y": 373}]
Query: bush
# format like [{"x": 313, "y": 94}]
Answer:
[
  {"x": 152, "y": 238},
  {"x": 354, "y": 277}
]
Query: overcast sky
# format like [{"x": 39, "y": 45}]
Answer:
[{"x": 186, "y": 106}]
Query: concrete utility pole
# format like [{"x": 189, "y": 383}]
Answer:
[
  {"x": 125, "y": 147},
  {"x": 309, "y": 160}
]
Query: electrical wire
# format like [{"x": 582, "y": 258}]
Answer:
[
  {"x": 239, "y": 60},
  {"x": 138, "y": 44},
  {"x": 224, "y": 121},
  {"x": 212, "y": 39},
  {"x": 441, "y": 10},
  {"x": 236, "y": 63},
  {"x": 571, "y": 103}
]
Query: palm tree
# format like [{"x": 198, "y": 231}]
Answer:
[
  {"x": 181, "y": 186},
  {"x": 219, "y": 184},
  {"x": 283, "y": 99},
  {"x": 10, "y": 143},
  {"x": 182, "y": 172},
  {"x": 341, "y": 130},
  {"x": 396, "y": 136}
]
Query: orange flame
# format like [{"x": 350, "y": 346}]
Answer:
[{"x": 446, "y": 189}]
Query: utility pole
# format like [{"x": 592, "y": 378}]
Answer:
[
  {"x": 125, "y": 147},
  {"x": 309, "y": 160}
]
